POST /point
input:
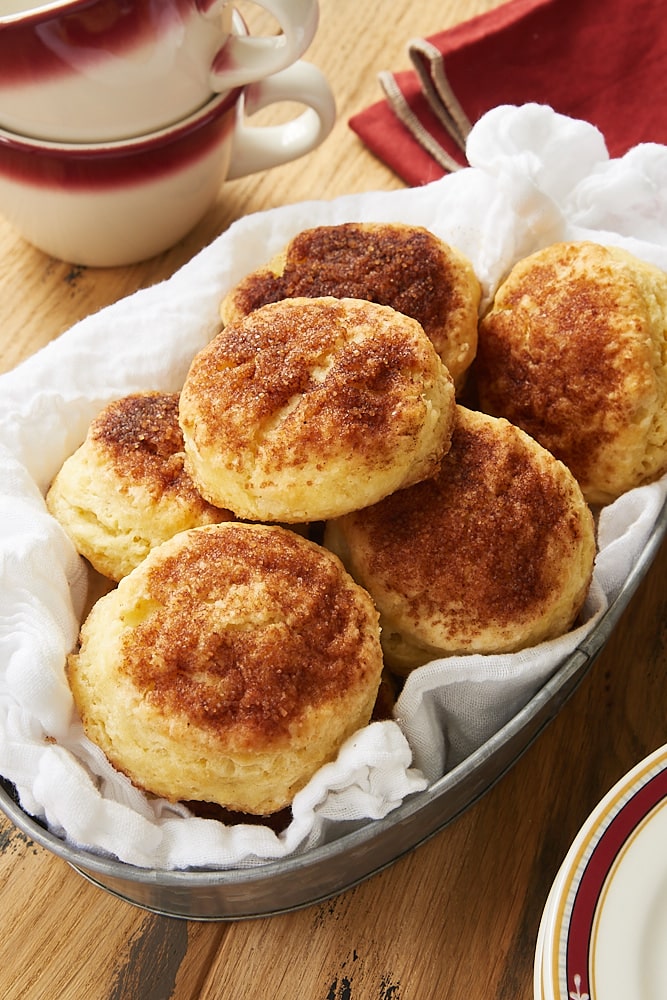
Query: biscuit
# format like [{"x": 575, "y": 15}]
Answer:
[
  {"x": 405, "y": 267},
  {"x": 574, "y": 351},
  {"x": 492, "y": 555},
  {"x": 125, "y": 489},
  {"x": 308, "y": 408},
  {"x": 228, "y": 667}
]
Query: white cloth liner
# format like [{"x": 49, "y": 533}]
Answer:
[{"x": 535, "y": 177}]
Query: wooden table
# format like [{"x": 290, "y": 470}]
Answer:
[{"x": 458, "y": 917}]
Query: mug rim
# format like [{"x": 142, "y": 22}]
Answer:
[
  {"x": 44, "y": 11},
  {"x": 214, "y": 108}
]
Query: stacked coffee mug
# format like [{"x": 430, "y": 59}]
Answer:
[{"x": 120, "y": 119}]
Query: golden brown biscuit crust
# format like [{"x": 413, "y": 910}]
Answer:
[
  {"x": 405, "y": 267},
  {"x": 141, "y": 439},
  {"x": 229, "y": 666},
  {"x": 126, "y": 488},
  {"x": 492, "y": 554},
  {"x": 573, "y": 351},
  {"x": 246, "y": 673},
  {"x": 309, "y": 407}
]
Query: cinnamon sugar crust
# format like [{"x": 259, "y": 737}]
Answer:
[
  {"x": 493, "y": 554},
  {"x": 307, "y": 408},
  {"x": 405, "y": 267},
  {"x": 278, "y": 635},
  {"x": 229, "y": 667},
  {"x": 574, "y": 351},
  {"x": 126, "y": 488},
  {"x": 142, "y": 441}
]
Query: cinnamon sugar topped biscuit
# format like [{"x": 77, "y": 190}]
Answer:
[
  {"x": 493, "y": 554},
  {"x": 405, "y": 267},
  {"x": 229, "y": 666},
  {"x": 126, "y": 489},
  {"x": 574, "y": 350},
  {"x": 307, "y": 408}
]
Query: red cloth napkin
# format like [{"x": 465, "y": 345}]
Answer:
[{"x": 603, "y": 61}]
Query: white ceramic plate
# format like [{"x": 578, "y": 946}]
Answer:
[
  {"x": 604, "y": 929},
  {"x": 538, "y": 968}
]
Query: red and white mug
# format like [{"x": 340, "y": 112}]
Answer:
[
  {"x": 98, "y": 70},
  {"x": 107, "y": 204}
]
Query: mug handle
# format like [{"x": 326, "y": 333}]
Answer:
[
  {"x": 245, "y": 59},
  {"x": 257, "y": 148}
]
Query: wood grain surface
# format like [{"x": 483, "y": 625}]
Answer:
[{"x": 457, "y": 918}]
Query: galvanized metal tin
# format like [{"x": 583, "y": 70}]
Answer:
[{"x": 305, "y": 879}]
